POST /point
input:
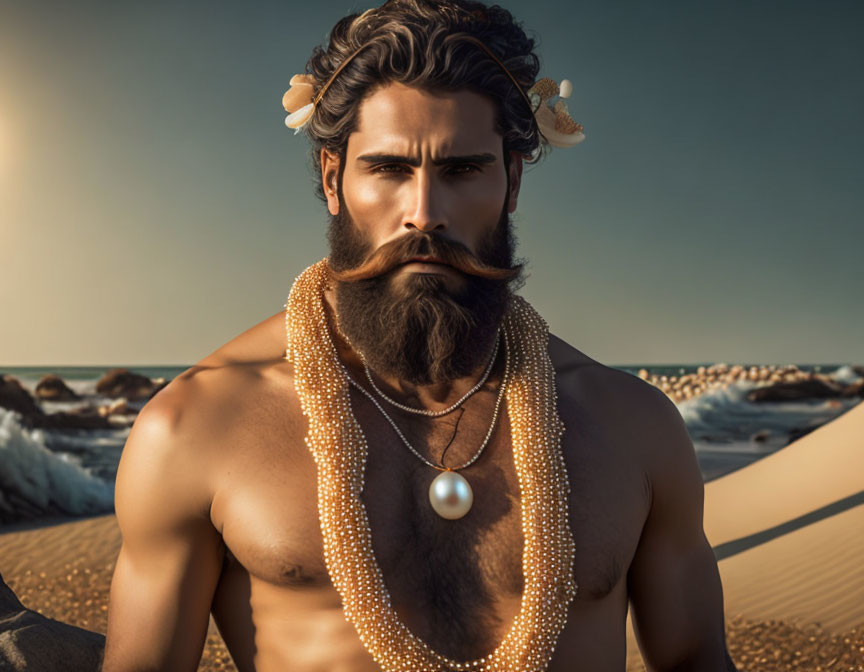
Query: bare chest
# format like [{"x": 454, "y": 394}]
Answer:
[{"x": 443, "y": 575}]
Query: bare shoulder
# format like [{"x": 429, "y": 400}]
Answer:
[
  {"x": 579, "y": 374},
  {"x": 167, "y": 479},
  {"x": 241, "y": 371},
  {"x": 640, "y": 413},
  {"x": 186, "y": 427},
  {"x": 167, "y": 453}
]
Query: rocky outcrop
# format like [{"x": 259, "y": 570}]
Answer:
[
  {"x": 15, "y": 397},
  {"x": 29, "y": 641},
  {"x": 84, "y": 418},
  {"x": 773, "y": 383},
  {"x": 52, "y": 388},
  {"x": 855, "y": 389},
  {"x": 810, "y": 388},
  {"x": 125, "y": 383}
]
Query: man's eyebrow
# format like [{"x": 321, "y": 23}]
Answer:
[{"x": 415, "y": 162}]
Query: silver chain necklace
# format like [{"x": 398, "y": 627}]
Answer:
[
  {"x": 449, "y": 493},
  {"x": 425, "y": 411}
]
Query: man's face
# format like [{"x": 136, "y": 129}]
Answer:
[
  {"x": 421, "y": 215},
  {"x": 424, "y": 162}
]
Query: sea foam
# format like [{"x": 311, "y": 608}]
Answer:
[{"x": 35, "y": 481}]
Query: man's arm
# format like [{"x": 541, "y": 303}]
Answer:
[
  {"x": 171, "y": 555},
  {"x": 673, "y": 581}
]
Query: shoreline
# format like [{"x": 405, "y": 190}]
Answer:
[{"x": 47, "y": 521}]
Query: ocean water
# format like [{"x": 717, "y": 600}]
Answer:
[{"x": 56, "y": 472}]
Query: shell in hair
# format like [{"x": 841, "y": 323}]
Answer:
[
  {"x": 301, "y": 93},
  {"x": 298, "y": 119},
  {"x": 555, "y": 122},
  {"x": 298, "y": 101}
]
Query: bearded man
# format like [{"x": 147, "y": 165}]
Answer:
[{"x": 403, "y": 470}]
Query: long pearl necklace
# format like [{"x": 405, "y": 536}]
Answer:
[
  {"x": 338, "y": 445},
  {"x": 426, "y": 411},
  {"x": 450, "y": 494}
]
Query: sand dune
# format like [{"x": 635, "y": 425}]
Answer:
[
  {"x": 789, "y": 532},
  {"x": 789, "y": 529},
  {"x": 818, "y": 469},
  {"x": 814, "y": 574}
]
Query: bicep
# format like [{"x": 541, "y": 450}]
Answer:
[
  {"x": 171, "y": 555},
  {"x": 673, "y": 581}
]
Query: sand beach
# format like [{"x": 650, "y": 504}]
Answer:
[{"x": 788, "y": 531}]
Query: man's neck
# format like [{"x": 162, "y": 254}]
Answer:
[{"x": 432, "y": 397}]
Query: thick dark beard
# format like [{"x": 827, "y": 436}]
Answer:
[{"x": 414, "y": 327}]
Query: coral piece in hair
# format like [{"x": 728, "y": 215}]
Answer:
[{"x": 555, "y": 123}]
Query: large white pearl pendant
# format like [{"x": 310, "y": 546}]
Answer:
[{"x": 450, "y": 495}]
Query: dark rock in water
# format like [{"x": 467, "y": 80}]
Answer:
[
  {"x": 859, "y": 370},
  {"x": 84, "y": 418},
  {"x": 761, "y": 436},
  {"x": 855, "y": 389},
  {"x": 125, "y": 383},
  {"x": 29, "y": 641},
  {"x": 15, "y": 397},
  {"x": 811, "y": 388},
  {"x": 52, "y": 388}
]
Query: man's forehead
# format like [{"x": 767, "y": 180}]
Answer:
[{"x": 400, "y": 120}]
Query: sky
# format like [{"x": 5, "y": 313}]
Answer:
[{"x": 153, "y": 205}]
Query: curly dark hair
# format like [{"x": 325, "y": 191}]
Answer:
[{"x": 420, "y": 43}]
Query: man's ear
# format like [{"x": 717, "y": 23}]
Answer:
[
  {"x": 329, "y": 175},
  {"x": 515, "y": 180}
]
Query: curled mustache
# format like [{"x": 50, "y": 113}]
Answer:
[{"x": 411, "y": 246}]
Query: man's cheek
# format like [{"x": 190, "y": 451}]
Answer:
[{"x": 347, "y": 246}]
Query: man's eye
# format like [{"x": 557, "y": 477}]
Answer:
[
  {"x": 395, "y": 168},
  {"x": 388, "y": 168},
  {"x": 464, "y": 169}
]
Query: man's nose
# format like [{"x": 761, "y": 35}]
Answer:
[{"x": 426, "y": 212}]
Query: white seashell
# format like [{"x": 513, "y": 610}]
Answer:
[
  {"x": 300, "y": 117},
  {"x": 566, "y": 88}
]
